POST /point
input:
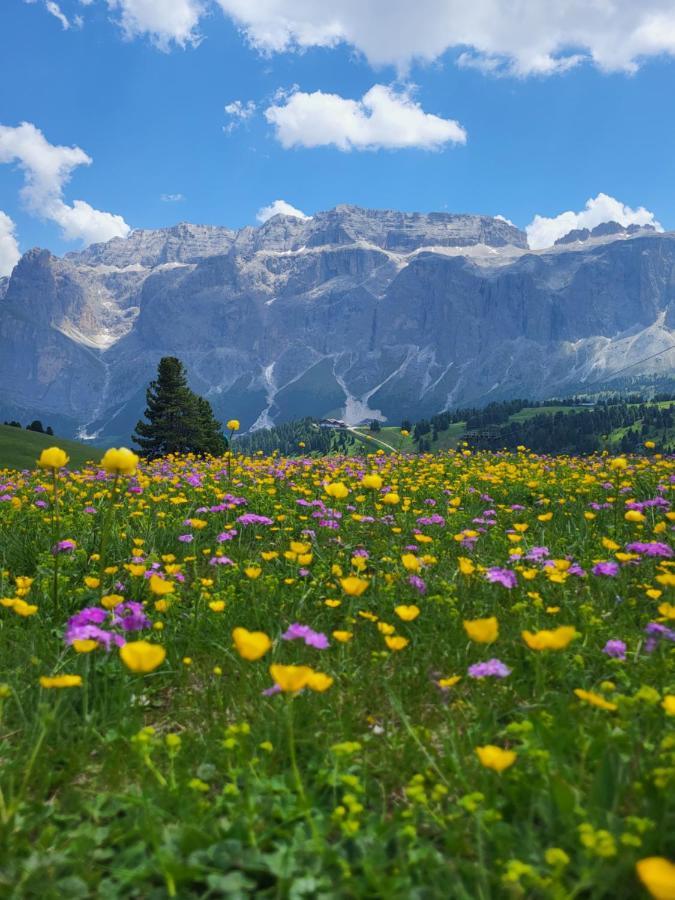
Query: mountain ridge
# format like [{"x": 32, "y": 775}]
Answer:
[{"x": 361, "y": 313}]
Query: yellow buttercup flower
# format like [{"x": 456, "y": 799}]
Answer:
[
  {"x": 353, "y": 585},
  {"x": 343, "y": 637},
  {"x": 669, "y": 704},
  {"x": 251, "y": 645},
  {"x": 410, "y": 562},
  {"x": 291, "y": 678},
  {"x": 495, "y": 758},
  {"x": 120, "y": 461},
  {"x": 396, "y": 642},
  {"x": 407, "y": 613},
  {"x": 595, "y": 700},
  {"x": 110, "y": 601},
  {"x": 483, "y": 631},
  {"x": 337, "y": 489},
  {"x": 21, "y": 608},
  {"x": 232, "y": 424},
  {"x": 373, "y": 481},
  {"x": 160, "y": 586},
  {"x": 84, "y": 646},
  {"x": 142, "y": 656},
  {"x": 319, "y": 682},
  {"x": 53, "y": 458},
  {"x": 252, "y": 572},
  {"x": 60, "y": 681},
  {"x": 466, "y": 566},
  {"x": 553, "y": 639},
  {"x": 658, "y": 876},
  {"x": 449, "y": 682}
]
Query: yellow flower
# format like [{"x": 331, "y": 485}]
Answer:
[
  {"x": 466, "y": 566},
  {"x": 291, "y": 678},
  {"x": 159, "y": 586},
  {"x": 449, "y": 682},
  {"x": 650, "y": 445},
  {"x": 410, "y": 562},
  {"x": 595, "y": 699},
  {"x": 110, "y": 601},
  {"x": 337, "y": 490},
  {"x": 233, "y": 424},
  {"x": 619, "y": 463},
  {"x": 554, "y": 639},
  {"x": 495, "y": 758},
  {"x": 251, "y": 645},
  {"x": 92, "y": 582},
  {"x": 120, "y": 461},
  {"x": 319, "y": 682},
  {"x": 343, "y": 636},
  {"x": 396, "y": 642},
  {"x": 667, "y": 610},
  {"x": 53, "y": 458},
  {"x": 391, "y": 498},
  {"x": 372, "y": 481},
  {"x": 634, "y": 515},
  {"x": 407, "y": 613},
  {"x": 658, "y": 876},
  {"x": 60, "y": 681},
  {"x": 217, "y": 606},
  {"x": 669, "y": 704},
  {"x": 24, "y": 609},
  {"x": 252, "y": 572},
  {"x": 142, "y": 656},
  {"x": 545, "y": 517},
  {"x": 483, "y": 631},
  {"x": 353, "y": 585},
  {"x": 84, "y": 646}
]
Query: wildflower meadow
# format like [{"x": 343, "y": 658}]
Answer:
[{"x": 397, "y": 676}]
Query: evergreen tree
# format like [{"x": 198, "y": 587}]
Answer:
[
  {"x": 212, "y": 439},
  {"x": 178, "y": 420},
  {"x": 35, "y": 425}
]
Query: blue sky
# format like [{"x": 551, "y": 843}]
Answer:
[{"x": 152, "y": 118}]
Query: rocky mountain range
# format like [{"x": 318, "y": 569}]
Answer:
[{"x": 356, "y": 313}]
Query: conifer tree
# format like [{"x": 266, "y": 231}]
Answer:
[{"x": 178, "y": 420}]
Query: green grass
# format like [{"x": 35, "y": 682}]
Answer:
[{"x": 20, "y": 449}]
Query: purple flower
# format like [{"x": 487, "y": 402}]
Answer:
[
  {"x": 186, "y": 538},
  {"x": 615, "y": 649},
  {"x": 312, "y": 638},
  {"x": 606, "y": 568},
  {"x": 253, "y": 519},
  {"x": 651, "y": 548},
  {"x": 418, "y": 583},
  {"x": 505, "y": 577},
  {"x": 66, "y": 546},
  {"x": 220, "y": 561},
  {"x": 493, "y": 668}
]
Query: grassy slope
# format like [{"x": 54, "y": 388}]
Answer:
[{"x": 20, "y": 449}]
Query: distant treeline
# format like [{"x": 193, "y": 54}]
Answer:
[
  {"x": 300, "y": 437},
  {"x": 35, "y": 425}
]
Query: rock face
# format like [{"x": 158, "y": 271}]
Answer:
[{"x": 357, "y": 313}]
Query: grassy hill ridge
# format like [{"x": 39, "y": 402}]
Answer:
[{"x": 20, "y": 448}]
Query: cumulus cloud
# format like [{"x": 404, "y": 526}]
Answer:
[
  {"x": 544, "y": 232},
  {"x": 533, "y": 37},
  {"x": 280, "y": 207},
  {"x": 166, "y": 22},
  {"x": 238, "y": 112},
  {"x": 47, "y": 168},
  {"x": 382, "y": 118},
  {"x": 9, "y": 247}
]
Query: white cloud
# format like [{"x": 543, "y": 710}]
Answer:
[
  {"x": 531, "y": 36},
  {"x": 280, "y": 207},
  {"x": 47, "y": 168},
  {"x": 9, "y": 247},
  {"x": 171, "y": 198},
  {"x": 55, "y": 10},
  {"x": 382, "y": 118},
  {"x": 166, "y": 22},
  {"x": 504, "y": 219},
  {"x": 239, "y": 112},
  {"x": 544, "y": 232}
]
